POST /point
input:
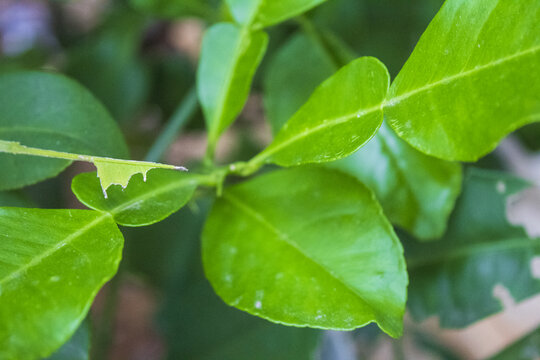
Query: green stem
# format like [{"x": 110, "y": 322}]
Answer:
[{"x": 179, "y": 119}]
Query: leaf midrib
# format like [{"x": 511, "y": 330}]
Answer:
[
  {"x": 325, "y": 124},
  {"x": 259, "y": 217},
  {"x": 49, "y": 252},
  {"x": 393, "y": 101},
  {"x": 459, "y": 252}
]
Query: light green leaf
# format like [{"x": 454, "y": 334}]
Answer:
[
  {"x": 341, "y": 115},
  {"x": 288, "y": 82},
  {"x": 78, "y": 346},
  {"x": 262, "y": 13},
  {"x": 50, "y": 111},
  {"x": 110, "y": 171},
  {"x": 229, "y": 58},
  {"x": 473, "y": 78},
  {"x": 306, "y": 247},
  {"x": 210, "y": 329},
  {"x": 481, "y": 250},
  {"x": 52, "y": 264},
  {"x": 143, "y": 201},
  {"x": 416, "y": 191}
]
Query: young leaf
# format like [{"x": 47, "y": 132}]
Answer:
[
  {"x": 52, "y": 263},
  {"x": 458, "y": 279},
  {"x": 288, "y": 83},
  {"x": 51, "y": 111},
  {"x": 472, "y": 79},
  {"x": 210, "y": 329},
  {"x": 262, "y": 13},
  {"x": 306, "y": 247},
  {"x": 416, "y": 191},
  {"x": 229, "y": 57},
  {"x": 142, "y": 202},
  {"x": 110, "y": 171},
  {"x": 341, "y": 115}
]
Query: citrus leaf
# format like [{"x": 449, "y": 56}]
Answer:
[
  {"x": 143, "y": 201},
  {"x": 77, "y": 347},
  {"x": 262, "y": 13},
  {"x": 472, "y": 79},
  {"x": 416, "y": 191},
  {"x": 52, "y": 264},
  {"x": 457, "y": 280},
  {"x": 341, "y": 115},
  {"x": 306, "y": 247},
  {"x": 229, "y": 57},
  {"x": 51, "y": 111},
  {"x": 110, "y": 171}
]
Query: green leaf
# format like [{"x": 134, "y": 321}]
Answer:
[
  {"x": 472, "y": 79},
  {"x": 480, "y": 250},
  {"x": 229, "y": 58},
  {"x": 416, "y": 191},
  {"x": 341, "y": 115},
  {"x": 288, "y": 83},
  {"x": 306, "y": 247},
  {"x": 210, "y": 329},
  {"x": 52, "y": 264},
  {"x": 174, "y": 8},
  {"x": 14, "y": 198},
  {"x": 110, "y": 171},
  {"x": 50, "y": 111},
  {"x": 142, "y": 202},
  {"x": 77, "y": 348},
  {"x": 107, "y": 64},
  {"x": 527, "y": 348},
  {"x": 262, "y": 13}
]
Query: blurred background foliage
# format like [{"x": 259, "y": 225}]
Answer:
[{"x": 139, "y": 57}]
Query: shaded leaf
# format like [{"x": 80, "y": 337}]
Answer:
[
  {"x": 527, "y": 348},
  {"x": 51, "y": 111},
  {"x": 262, "y": 13},
  {"x": 455, "y": 277},
  {"x": 306, "y": 247},
  {"x": 143, "y": 201},
  {"x": 416, "y": 191},
  {"x": 14, "y": 198},
  {"x": 472, "y": 79},
  {"x": 174, "y": 8},
  {"x": 52, "y": 264},
  {"x": 229, "y": 57},
  {"x": 341, "y": 115}
]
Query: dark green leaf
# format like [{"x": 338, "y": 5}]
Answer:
[
  {"x": 229, "y": 57},
  {"x": 527, "y": 348},
  {"x": 52, "y": 263},
  {"x": 456, "y": 276},
  {"x": 14, "y": 198},
  {"x": 416, "y": 191},
  {"x": 51, "y": 111},
  {"x": 174, "y": 8},
  {"x": 306, "y": 247},
  {"x": 341, "y": 115},
  {"x": 472, "y": 79},
  {"x": 141, "y": 202},
  {"x": 261, "y": 13}
]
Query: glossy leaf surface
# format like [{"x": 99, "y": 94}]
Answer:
[
  {"x": 306, "y": 247},
  {"x": 472, "y": 79},
  {"x": 141, "y": 202},
  {"x": 229, "y": 57},
  {"x": 210, "y": 329},
  {"x": 288, "y": 83},
  {"x": 416, "y": 191},
  {"x": 52, "y": 112},
  {"x": 262, "y": 13},
  {"x": 456, "y": 277},
  {"x": 341, "y": 115},
  {"x": 52, "y": 264}
]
